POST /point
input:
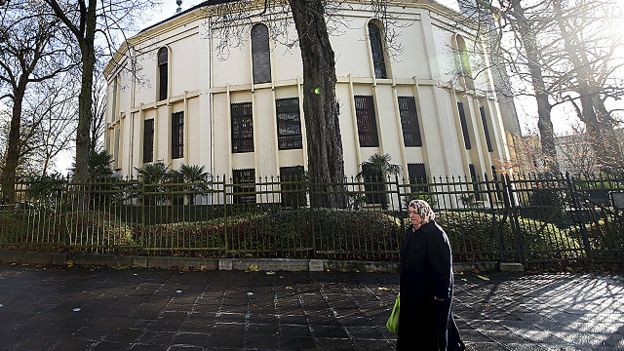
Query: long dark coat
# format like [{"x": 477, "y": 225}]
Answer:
[{"x": 426, "y": 271}]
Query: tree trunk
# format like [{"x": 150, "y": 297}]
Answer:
[
  {"x": 547, "y": 135},
  {"x": 325, "y": 162},
  {"x": 85, "y": 99},
  {"x": 13, "y": 145}
]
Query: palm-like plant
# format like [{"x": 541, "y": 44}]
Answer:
[
  {"x": 195, "y": 179},
  {"x": 153, "y": 174},
  {"x": 379, "y": 166},
  {"x": 376, "y": 170},
  {"x": 100, "y": 165}
]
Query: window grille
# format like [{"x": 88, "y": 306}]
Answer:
[
  {"x": 163, "y": 71},
  {"x": 464, "y": 125},
  {"x": 177, "y": 135},
  {"x": 367, "y": 124},
  {"x": 288, "y": 124},
  {"x": 244, "y": 190},
  {"x": 486, "y": 129},
  {"x": 242, "y": 127},
  {"x": 148, "y": 140},
  {"x": 260, "y": 54},
  {"x": 463, "y": 62},
  {"x": 476, "y": 187},
  {"x": 293, "y": 194},
  {"x": 374, "y": 185},
  {"x": 409, "y": 121},
  {"x": 377, "y": 49},
  {"x": 417, "y": 178}
]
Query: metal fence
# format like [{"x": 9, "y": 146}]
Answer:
[{"x": 528, "y": 219}]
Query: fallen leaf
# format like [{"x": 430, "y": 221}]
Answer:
[
  {"x": 70, "y": 263},
  {"x": 252, "y": 268},
  {"x": 483, "y": 277}
]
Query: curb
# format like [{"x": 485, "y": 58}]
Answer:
[{"x": 226, "y": 264}]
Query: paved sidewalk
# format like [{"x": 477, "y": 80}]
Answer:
[{"x": 132, "y": 309}]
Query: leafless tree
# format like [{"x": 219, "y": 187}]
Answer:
[
  {"x": 562, "y": 52},
  {"x": 99, "y": 113},
  {"x": 592, "y": 67},
  {"x": 32, "y": 50},
  {"x": 97, "y": 26},
  {"x": 54, "y": 122}
]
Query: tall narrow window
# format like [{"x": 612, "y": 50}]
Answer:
[
  {"x": 464, "y": 125},
  {"x": 292, "y": 183},
  {"x": 244, "y": 186},
  {"x": 409, "y": 121},
  {"x": 367, "y": 124},
  {"x": 260, "y": 54},
  {"x": 163, "y": 71},
  {"x": 242, "y": 127},
  {"x": 117, "y": 147},
  {"x": 463, "y": 62},
  {"x": 148, "y": 140},
  {"x": 374, "y": 185},
  {"x": 486, "y": 130},
  {"x": 377, "y": 50},
  {"x": 288, "y": 124},
  {"x": 177, "y": 135},
  {"x": 114, "y": 100},
  {"x": 417, "y": 178},
  {"x": 476, "y": 186}
]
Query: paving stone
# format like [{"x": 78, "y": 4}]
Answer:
[{"x": 230, "y": 310}]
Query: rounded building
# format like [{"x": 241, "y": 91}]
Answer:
[{"x": 174, "y": 96}]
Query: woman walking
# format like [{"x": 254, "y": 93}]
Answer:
[{"x": 425, "y": 321}]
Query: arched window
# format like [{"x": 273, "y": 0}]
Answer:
[
  {"x": 163, "y": 71},
  {"x": 260, "y": 54},
  {"x": 377, "y": 50},
  {"x": 463, "y": 62}
]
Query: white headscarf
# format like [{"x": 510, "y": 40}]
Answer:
[{"x": 423, "y": 210}]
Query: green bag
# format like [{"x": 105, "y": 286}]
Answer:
[{"x": 393, "y": 322}]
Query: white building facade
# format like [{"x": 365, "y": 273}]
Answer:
[{"x": 179, "y": 100}]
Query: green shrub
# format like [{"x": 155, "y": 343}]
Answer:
[
  {"x": 13, "y": 229},
  {"x": 472, "y": 234},
  {"x": 546, "y": 204},
  {"x": 330, "y": 232},
  {"x": 545, "y": 241},
  {"x": 183, "y": 235},
  {"x": 476, "y": 235},
  {"x": 100, "y": 229},
  {"x": 603, "y": 235}
]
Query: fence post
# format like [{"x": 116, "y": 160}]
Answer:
[
  {"x": 225, "y": 217},
  {"x": 513, "y": 218},
  {"x": 579, "y": 221},
  {"x": 401, "y": 215},
  {"x": 398, "y": 189},
  {"x": 309, "y": 204},
  {"x": 143, "y": 201},
  {"x": 497, "y": 233}
]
